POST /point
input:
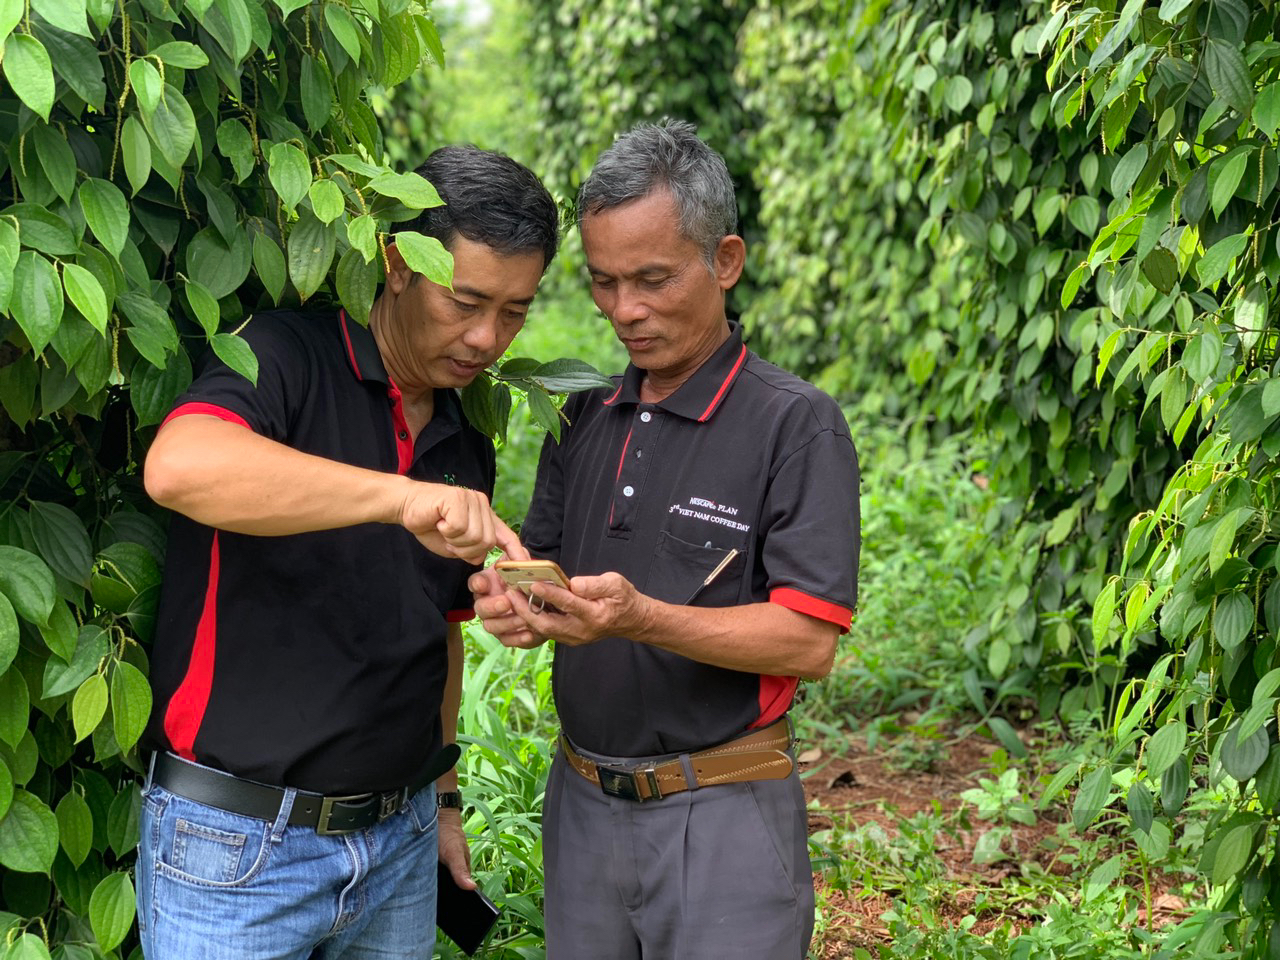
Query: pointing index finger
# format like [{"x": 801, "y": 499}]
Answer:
[{"x": 508, "y": 542}]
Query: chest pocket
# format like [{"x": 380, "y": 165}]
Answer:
[{"x": 680, "y": 567}]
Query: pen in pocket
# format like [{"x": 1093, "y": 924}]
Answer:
[{"x": 728, "y": 558}]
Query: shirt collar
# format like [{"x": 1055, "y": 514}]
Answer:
[
  {"x": 362, "y": 350},
  {"x": 699, "y": 396}
]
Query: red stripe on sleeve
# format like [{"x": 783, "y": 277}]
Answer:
[
  {"x": 208, "y": 410},
  {"x": 183, "y": 716},
  {"x": 793, "y": 599},
  {"x": 459, "y": 616}
]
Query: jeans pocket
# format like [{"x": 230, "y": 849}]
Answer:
[
  {"x": 210, "y": 847},
  {"x": 423, "y": 811}
]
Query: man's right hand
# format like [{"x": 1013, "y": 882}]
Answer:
[
  {"x": 493, "y": 605},
  {"x": 456, "y": 522}
]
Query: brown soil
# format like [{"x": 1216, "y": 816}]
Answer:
[{"x": 858, "y": 787}]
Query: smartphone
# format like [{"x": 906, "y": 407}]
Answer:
[
  {"x": 523, "y": 574},
  {"x": 464, "y": 916}
]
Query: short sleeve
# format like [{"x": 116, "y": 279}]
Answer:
[
  {"x": 810, "y": 528},
  {"x": 543, "y": 527},
  {"x": 284, "y": 376}
]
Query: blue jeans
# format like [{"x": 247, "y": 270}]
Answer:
[{"x": 214, "y": 885}]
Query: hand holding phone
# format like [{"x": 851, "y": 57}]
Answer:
[
  {"x": 523, "y": 574},
  {"x": 464, "y": 916}
]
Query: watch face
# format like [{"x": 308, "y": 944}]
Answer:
[{"x": 449, "y": 798}]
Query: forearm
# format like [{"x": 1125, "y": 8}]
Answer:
[
  {"x": 452, "y": 700},
  {"x": 226, "y": 476},
  {"x": 761, "y": 638}
]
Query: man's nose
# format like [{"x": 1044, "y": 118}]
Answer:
[
  {"x": 482, "y": 334},
  {"x": 629, "y": 307}
]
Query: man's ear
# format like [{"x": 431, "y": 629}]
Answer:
[
  {"x": 398, "y": 273},
  {"x": 731, "y": 255}
]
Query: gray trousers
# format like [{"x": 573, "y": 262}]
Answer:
[{"x": 720, "y": 872}]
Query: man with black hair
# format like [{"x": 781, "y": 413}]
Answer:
[
  {"x": 706, "y": 509},
  {"x": 307, "y": 666}
]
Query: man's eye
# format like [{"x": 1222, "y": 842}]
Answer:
[
  {"x": 602, "y": 283},
  {"x": 464, "y": 307}
]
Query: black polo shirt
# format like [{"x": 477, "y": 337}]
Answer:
[
  {"x": 742, "y": 456},
  {"x": 315, "y": 660}
]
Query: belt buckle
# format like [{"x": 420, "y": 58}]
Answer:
[
  {"x": 326, "y": 813},
  {"x": 625, "y": 784},
  {"x": 389, "y": 803}
]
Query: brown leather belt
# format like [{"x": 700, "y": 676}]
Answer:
[{"x": 757, "y": 756}]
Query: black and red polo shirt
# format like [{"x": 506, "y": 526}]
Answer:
[
  {"x": 315, "y": 660},
  {"x": 742, "y": 456}
]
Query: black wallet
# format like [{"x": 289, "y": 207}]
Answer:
[{"x": 464, "y": 916}]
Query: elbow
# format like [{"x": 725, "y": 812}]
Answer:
[
  {"x": 823, "y": 659},
  {"x": 163, "y": 475}
]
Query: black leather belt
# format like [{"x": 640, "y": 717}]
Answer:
[{"x": 326, "y": 814}]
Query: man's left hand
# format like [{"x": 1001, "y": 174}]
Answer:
[
  {"x": 452, "y": 842},
  {"x": 607, "y": 605}
]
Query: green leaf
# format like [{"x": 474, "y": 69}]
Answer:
[
  {"x": 959, "y": 93},
  {"x": 1091, "y": 798},
  {"x": 179, "y": 53},
  {"x": 60, "y": 678},
  {"x": 327, "y": 201},
  {"x": 1164, "y": 747},
  {"x": 357, "y": 283},
  {"x": 427, "y": 256},
  {"x": 62, "y": 540},
  {"x": 345, "y": 30},
  {"x": 362, "y": 233},
  {"x": 107, "y": 212},
  {"x": 1072, "y": 285},
  {"x": 43, "y": 230},
  {"x": 15, "y": 707},
  {"x": 89, "y": 705},
  {"x": 56, "y": 158},
  {"x": 268, "y": 261},
  {"x": 172, "y": 126},
  {"x": 1169, "y": 9},
  {"x": 1213, "y": 265},
  {"x": 1233, "y": 853},
  {"x": 1268, "y": 780},
  {"x": 111, "y": 910},
  {"x": 1225, "y": 174},
  {"x": 1126, "y": 171},
  {"x": 1250, "y": 317},
  {"x": 409, "y": 188},
  {"x": 317, "y": 93},
  {"x": 1141, "y": 806},
  {"x": 6, "y": 788},
  {"x": 28, "y": 583},
  {"x": 8, "y": 634},
  {"x": 1103, "y": 610},
  {"x": 1233, "y": 619},
  {"x": 203, "y": 306},
  {"x": 236, "y": 145},
  {"x": 1266, "y": 110},
  {"x": 29, "y": 72},
  {"x": 152, "y": 390},
  {"x": 567, "y": 375},
  {"x": 59, "y": 634},
  {"x": 131, "y": 695},
  {"x": 1228, "y": 75},
  {"x": 37, "y": 299},
  {"x": 1161, "y": 268},
  {"x": 1083, "y": 213},
  {"x": 1202, "y": 353},
  {"x": 544, "y": 412},
  {"x": 28, "y": 946},
  {"x": 1173, "y": 786},
  {"x": 68, "y": 15},
  {"x": 147, "y": 86},
  {"x": 75, "y": 826},
  {"x": 1243, "y": 758},
  {"x": 11, "y": 13},
  {"x": 290, "y": 173},
  {"x": 86, "y": 295},
  {"x": 28, "y": 835},
  {"x": 236, "y": 353},
  {"x": 135, "y": 151},
  {"x": 123, "y": 820},
  {"x": 220, "y": 268},
  {"x": 311, "y": 248}
]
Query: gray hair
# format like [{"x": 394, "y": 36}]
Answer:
[{"x": 666, "y": 156}]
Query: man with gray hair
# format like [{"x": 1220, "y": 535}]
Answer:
[{"x": 707, "y": 510}]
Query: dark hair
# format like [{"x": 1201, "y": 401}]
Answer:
[
  {"x": 490, "y": 199},
  {"x": 666, "y": 156}
]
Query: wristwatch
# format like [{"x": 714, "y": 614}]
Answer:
[{"x": 449, "y": 799}]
